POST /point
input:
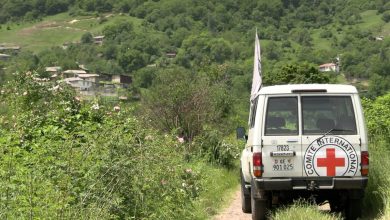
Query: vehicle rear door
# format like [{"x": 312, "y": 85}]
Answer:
[
  {"x": 330, "y": 139},
  {"x": 281, "y": 141}
]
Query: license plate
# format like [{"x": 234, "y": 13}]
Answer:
[
  {"x": 283, "y": 164},
  {"x": 282, "y": 153}
]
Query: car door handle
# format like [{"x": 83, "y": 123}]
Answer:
[{"x": 292, "y": 140}]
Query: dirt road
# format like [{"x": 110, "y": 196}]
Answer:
[{"x": 233, "y": 211}]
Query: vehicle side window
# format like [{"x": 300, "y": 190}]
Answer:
[
  {"x": 334, "y": 114},
  {"x": 282, "y": 116},
  {"x": 253, "y": 112}
]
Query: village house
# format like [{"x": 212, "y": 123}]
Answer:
[
  {"x": 98, "y": 39},
  {"x": 72, "y": 73},
  {"x": 379, "y": 38},
  {"x": 12, "y": 49},
  {"x": 171, "y": 54},
  {"x": 54, "y": 71},
  {"x": 89, "y": 77},
  {"x": 4, "y": 57},
  {"x": 83, "y": 83},
  {"x": 328, "y": 67},
  {"x": 122, "y": 80},
  {"x": 74, "y": 82}
]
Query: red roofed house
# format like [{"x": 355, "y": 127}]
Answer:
[{"x": 327, "y": 67}]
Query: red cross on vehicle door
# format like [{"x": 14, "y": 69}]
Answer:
[{"x": 331, "y": 162}]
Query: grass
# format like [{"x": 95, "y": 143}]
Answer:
[
  {"x": 321, "y": 43},
  {"x": 377, "y": 199},
  {"x": 221, "y": 183},
  {"x": 301, "y": 211},
  {"x": 56, "y": 30},
  {"x": 371, "y": 20}
]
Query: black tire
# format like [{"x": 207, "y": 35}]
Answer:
[
  {"x": 335, "y": 205},
  {"x": 259, "y": 209},
  {"x": 245, "y": 197},
  {"x": 353, "y": 209}
]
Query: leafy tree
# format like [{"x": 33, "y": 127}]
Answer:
[
  {"x": 118, "y": 31},
  {"x": 297, "y": 73},
  {"x": 180, "y": 100},
  {"x": 386, "y": 17},
  {"x": 87, "y": 38},
  {"x": 220, "y": 50},
  {"x": 379, "y": 85},
  {"x": 131, "y": 60}
]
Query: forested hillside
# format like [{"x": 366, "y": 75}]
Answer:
[
  {"x": 168, "y": 151},
  {"x": 205, "y": 33}
]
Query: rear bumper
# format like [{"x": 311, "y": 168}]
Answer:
[{"x": 311, "y": 183}]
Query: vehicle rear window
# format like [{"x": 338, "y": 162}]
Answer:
[
  {"x": 333, "y": 114},
  {"x": 282, "y": 116}
]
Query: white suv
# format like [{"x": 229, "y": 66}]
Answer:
[{"x": 305, "y": 141}]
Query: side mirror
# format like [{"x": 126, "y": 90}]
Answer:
[{"x": 240, "y": 132}]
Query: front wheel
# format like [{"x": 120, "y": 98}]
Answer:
[{"x": 245, "y": 197}]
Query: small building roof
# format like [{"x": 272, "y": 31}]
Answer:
[
  {"x": 4, "y": 55},
  {"x": 72, "y": 79},
  {"x": 99, "y": 37},
  {"x": 76, "y": 71},
  {"x": 87, "y": 75},
  {"x": 53, "y": 69},
  {"x": 9, "y": 48},
  {"x": 327, "y": 65}
]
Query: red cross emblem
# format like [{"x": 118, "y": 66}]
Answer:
[{"x": 330, "y": 162}]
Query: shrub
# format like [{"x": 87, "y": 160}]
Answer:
[{"x": 76, "y": 160}]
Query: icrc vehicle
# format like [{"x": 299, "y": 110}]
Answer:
[{"x": 307, "y": 141}]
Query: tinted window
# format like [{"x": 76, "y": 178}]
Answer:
[
  {"x": 321, "y": 114},
  {"x": 253, "y": 112},
  {"x": 282, "y": 116}
]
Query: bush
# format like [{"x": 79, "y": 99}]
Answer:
[
  {"x": 386, "y": 17},
  {"x": 63, "y": 157},
  {"x": 378, "y": 123},
  {"x": 218, "y": 150}
]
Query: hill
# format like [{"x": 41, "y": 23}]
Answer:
[
  {"x": 57, "y": 29},
  {"x": 290, "y": 32}
]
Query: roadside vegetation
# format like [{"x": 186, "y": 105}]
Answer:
[
  {"x": 303, "y": 210},
  {"x": 73, "y": 159},
  {"x": 169, "y": 152}
]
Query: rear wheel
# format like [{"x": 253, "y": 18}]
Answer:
[
  {"x": 335, "y": 205},
  {"x": 245, "y": 197},
  {"x": 259, "y": 209},
  {"x": 353, "y": 209}
]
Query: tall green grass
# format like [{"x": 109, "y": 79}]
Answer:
[
  {"x": 219, "y": 185},
  {"x": 303, "y": 210},
  {"x": 377, "y": 197}
]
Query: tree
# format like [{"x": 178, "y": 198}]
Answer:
[
  {"x": 131, "y": 60},
  {"x": 87, "y": 38},
  {"x": 297, "y": 73},
  {"x": 181, "y": 100}
]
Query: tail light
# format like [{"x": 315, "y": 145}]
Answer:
[
  {"x": 365, "y": 162},
  {"x": 257, "y": 165}
]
